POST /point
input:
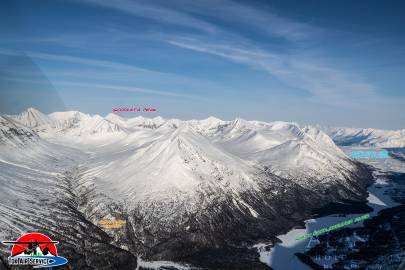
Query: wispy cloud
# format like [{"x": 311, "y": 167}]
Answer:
[
  {"x": 78, "y": 60},
  {"x": 128, "y": 89},
  {"x": 100, "y": 65},
  {"x": 95, "y": 86},
  {"x": 123, "y": 74},
  {"x": 255, "y": 36},
  {"x": 154, "y": 12},
  {"x": 325, "y": 84},
  {"x": 320, "y": 79},
  {"x": 261, "y": 19},
  {"x": 189, "y": 14}
]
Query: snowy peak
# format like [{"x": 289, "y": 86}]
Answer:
[
  {"x": 180, "y": 160},
  {"x": 32, "y": 118},
  {"x": 207, "y": 125},
  {"x": 212, "y": 119},
  {"x": 320, "y": 137},
  {"x": 143, "y": 122},
  {"x": 208, "y": 122},
  {"x": 102, "y": 126},
  {"x": 69, "y": 116},
  {"x": 281, "y": 146},
  {"x": 136, "y": 122},
  {"x": 116, "y": 119},
  {"x": 76, "y": 123}
]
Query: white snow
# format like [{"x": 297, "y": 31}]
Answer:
[
  {"x": 165, "y": 161},
  {"x": 144, "y": 158},
  {"x": 158, "y": 264},
  {"x": 367, "y": 136}
]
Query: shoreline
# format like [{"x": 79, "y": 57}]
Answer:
[{"x": 282, "y": 255}]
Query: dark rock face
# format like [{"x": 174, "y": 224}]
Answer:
[{"x": 86, "y": 245}]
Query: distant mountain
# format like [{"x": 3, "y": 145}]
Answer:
[
  {"x": 190, "y": 189},
  {"x": 367, "y": 137},
  {"x": 71, "y": 123},
  {"x": 134, "y": 122},
  {"x": 32, "y": 118}
]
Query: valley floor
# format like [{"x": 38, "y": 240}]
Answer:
[{"x": 378, "y": 243}]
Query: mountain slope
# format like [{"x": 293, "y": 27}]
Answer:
[
  {"x": 189, "y": 189},
  {"x": 42, "y": 191},
  {"x": 367, "y": 137},
  {"x": 13, "y": 133}
]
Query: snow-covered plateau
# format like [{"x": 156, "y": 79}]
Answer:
[{"x": 199, "y": 193}]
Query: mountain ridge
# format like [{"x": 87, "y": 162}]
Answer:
[
  {"x": 366, "y": 137},
  {"x": 185, "y": 187}
]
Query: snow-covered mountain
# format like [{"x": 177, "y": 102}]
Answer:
[
  {"x": 184, "y": 187},
  {"x": 14, "y": 133},
  {"x": 139, "y": 121},
  {"x": 71, "y": 123},
  {"x": 41, "y": 190},
  {"x": 32, "y": 118},
  {"x": 367, "y": 137}
]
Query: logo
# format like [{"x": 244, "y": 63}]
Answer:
[{"x": 34, "y": 249}]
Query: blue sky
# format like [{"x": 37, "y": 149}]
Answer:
[{"x": 338, "y": 63}]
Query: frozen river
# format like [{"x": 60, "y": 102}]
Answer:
[{"x": 281, "y": 256}]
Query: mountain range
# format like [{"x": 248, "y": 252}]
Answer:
[
  {"x": 189, "y": 190},
  {"x": 367, "y": 137}
]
